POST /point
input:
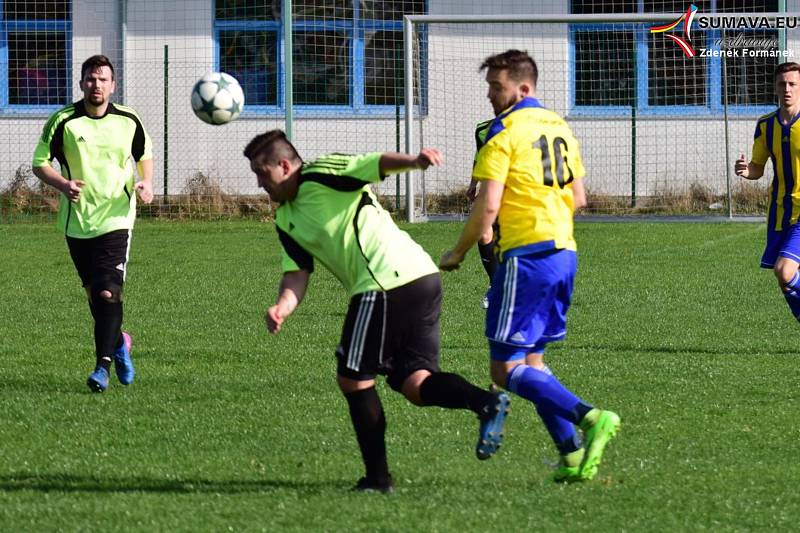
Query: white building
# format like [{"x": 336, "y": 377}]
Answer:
[{"x": 348, "y": 69}]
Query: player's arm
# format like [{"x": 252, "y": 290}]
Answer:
[
  {"x": 750, "y": 171},
  {"x": 49, "y": 175},
  {"x": 578, "y": 194},
  {"x": 395, "y": 162},
  {"x": 291, "y": 291},
  {"x": 145, "y": 184},
  {"x": 484, "y": 212}
]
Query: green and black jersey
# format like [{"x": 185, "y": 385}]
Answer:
[
  {"x": 99, "y": 151},
  {"x": 337, "y": 220},
  {"x": 481, "y": 129}
]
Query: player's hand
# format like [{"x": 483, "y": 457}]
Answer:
[
  {"x": 274, "y": 319},
  {"x": 450, "y": 261},
  {"x": 740, "y": 167},
  {"x": 72, "y": 190},
  {"x": 472, "y": 191},
  {"x": 145, "y": 190},
  {"x": 429, "y": 157}
]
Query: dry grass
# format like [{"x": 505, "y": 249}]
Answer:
[
  {"x": 204, "y": 198},
  {"x": 26, "y": 194}
]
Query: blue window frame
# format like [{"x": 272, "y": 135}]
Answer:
[
  {"x": 35, "y": 55},
  {"x": 618, "y": 68},
  {"x": 348, "y": 55}
]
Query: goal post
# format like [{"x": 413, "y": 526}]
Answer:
[{"x": 660, "y": 126}]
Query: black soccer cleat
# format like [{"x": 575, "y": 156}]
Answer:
[{"x": 369, "y": 485}]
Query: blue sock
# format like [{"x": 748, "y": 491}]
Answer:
[
  {"x": 792, "y": 295},
  {"x": 545, "y": 391},
  {"x": 562, "y": 431}
]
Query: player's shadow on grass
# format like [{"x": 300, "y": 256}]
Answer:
[
  {"x": 679, "y": 350},
  {"x": 73, "y": 483}
]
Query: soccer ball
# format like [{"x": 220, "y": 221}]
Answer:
[{"x": 217, "y": 98}]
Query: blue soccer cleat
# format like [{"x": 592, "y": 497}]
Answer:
[
  {"x": 492, "y": 418},
  {"x": 123, "y": 364},
  {"x": 98, "y": 380}
]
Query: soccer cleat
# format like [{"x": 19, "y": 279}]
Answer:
[
  {"x": 568, "y": 469},
  {"x": 597, "y": 437},
  {"x": 492, "y": 419},
  {"x": 98, "y": 380},
  {"x": 368, "y": 485},
  {"x": 123, "y": 364}
]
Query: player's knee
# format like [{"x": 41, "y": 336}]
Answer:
[
  {"x": 412, "y": 384},
  {"x": 784, "y": 272},
  {"x": 107, "y": 291},
  {"x": 349, "y": 385}
]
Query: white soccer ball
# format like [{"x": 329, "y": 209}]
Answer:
[{"x": 217, "y": 98}]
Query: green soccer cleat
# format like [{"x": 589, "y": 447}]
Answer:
[
  {"x": 597, "y": 436},
  {"x": 569, "y": 467}
]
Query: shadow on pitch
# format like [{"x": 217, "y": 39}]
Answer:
[
  {"x": 73, "y": 483},
  {"x": 680, "y": 350}
]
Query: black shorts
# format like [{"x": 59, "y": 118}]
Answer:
[
  {"x": 393, "y": 333},
  {"x": 101, "y": 259}
]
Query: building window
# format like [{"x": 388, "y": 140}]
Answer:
[
  {"x": 347, "y": 53},
  {"x": 35, "y": 54},
  {"x": 621, "y": 67}
]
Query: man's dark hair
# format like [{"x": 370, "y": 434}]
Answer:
[
  {"x": 519, "y": 65},
  {"x": 270, "y": 147},
  {"x": 95, "y": 62},
  {"x": 786, "y": 67}
]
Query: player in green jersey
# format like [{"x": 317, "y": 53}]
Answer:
[
  {"x": 486, "y": 241},
  {"x": 96, "y": 144},
  {"x": 328, "y": 214}
]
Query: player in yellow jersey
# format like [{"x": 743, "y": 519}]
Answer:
[
  {"x": 531, "y": 173},
  {"x": 777, "y": 137}
]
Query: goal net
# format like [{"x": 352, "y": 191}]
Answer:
[{"x": 661, "y": 113}]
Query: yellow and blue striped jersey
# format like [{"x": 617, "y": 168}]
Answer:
[
  {"x": 780, "y": 143},
  {"x": 532, "y": 151}
]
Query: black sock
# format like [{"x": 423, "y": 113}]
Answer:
[
  {"x": 104, "y": 361},
  {"x": 366, "y": 413},
  {"x": 451, "y": 391},
  {"x": 107, "y": 326},
  {"x": 488, "y": 258}
]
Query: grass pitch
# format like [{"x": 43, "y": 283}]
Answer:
[{"x": 673, "y": 326}]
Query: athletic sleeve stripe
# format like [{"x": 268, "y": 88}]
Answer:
[
  {"x": 138, "y": 143},
  {"x": 333, "y": 181},
  {"x": 299, "y": 255}
]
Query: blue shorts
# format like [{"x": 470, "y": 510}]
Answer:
[
  {"x": 784, "y": 243},
  {"x": 528, "y": 303}
]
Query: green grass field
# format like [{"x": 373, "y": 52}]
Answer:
[{"x": 673, "y": 326}]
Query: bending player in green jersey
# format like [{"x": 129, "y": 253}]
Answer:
[
  {"x": 329, "y": 214},
  {"x": 94, "y": 142}
]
